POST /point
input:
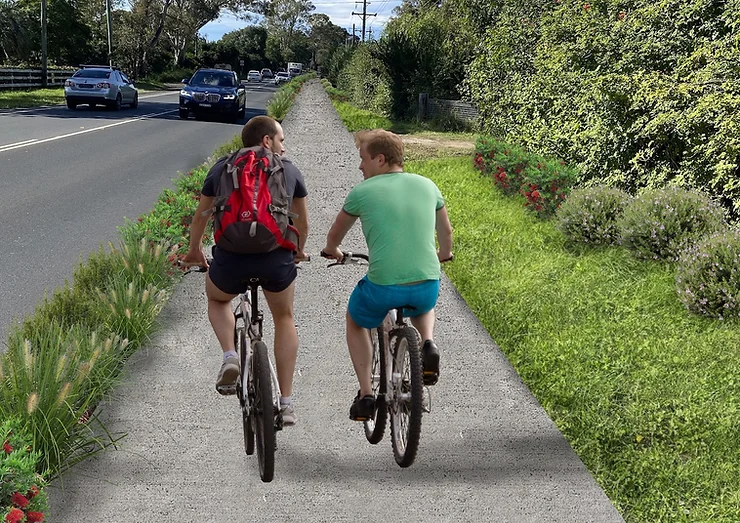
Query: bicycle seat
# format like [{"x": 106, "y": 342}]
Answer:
[{"x": 255, "y": 282}]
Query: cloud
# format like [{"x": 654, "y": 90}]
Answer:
[{"x": 338, "y": 11}]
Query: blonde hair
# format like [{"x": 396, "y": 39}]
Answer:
[{"x": 380, "y": 141}]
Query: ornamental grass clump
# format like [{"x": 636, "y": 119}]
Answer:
[
  {"x": 589, "y": 215},
  {"x": 659, "y": 223},
  {"x": 22, "y": 495},
  {"x": 708, "y": 276}
]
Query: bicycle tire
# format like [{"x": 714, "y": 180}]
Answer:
[
  {"x": 407, "y": 405},
  {"x": 243, "y": 391},
  {"x": 263, "y": 413},
  {"x": 375, "y": 427}
]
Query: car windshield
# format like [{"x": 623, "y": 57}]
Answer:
[
  {"x": 92, "y": 73},
  {"x": 212, "y": 79}
]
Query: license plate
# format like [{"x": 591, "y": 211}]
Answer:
[{"x": 205, "y": 105}]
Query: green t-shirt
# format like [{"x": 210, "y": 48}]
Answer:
[{"x": 398, "y": 216}]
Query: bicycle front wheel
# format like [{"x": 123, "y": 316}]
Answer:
[
  {"x": 408, "y": 390},
  {"x": 263, "y": 415},
  {"x": 375, "y": 427}
]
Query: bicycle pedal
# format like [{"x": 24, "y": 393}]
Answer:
[{"x": 226, "y": 390}]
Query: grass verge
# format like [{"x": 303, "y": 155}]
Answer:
[
  {"x": 55, "y": 96},
  {"x": 646, "y": 394}
]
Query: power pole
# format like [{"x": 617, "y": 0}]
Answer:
[
  {"x": 44, "y": 57},
  {"x": 364, "y": 16},
  {"x": 110, "y": 33}
]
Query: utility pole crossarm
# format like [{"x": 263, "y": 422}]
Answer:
[{"x": 364, "y": 16}]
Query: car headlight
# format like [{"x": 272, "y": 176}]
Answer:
[
  {"x": 185, "y": 93},
  {"x": 229, "y": 96}
]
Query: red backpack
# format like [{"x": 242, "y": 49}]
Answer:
[{"x": 251, "y": 206}]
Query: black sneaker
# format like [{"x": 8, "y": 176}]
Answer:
[
  {"x": 430, "y": 361},
  {"x": 362, "y": 409}
]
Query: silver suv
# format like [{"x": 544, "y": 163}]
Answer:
[{"x": 100, "y": 85}]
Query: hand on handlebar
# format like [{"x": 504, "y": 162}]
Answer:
[
  {"x": 445, "y": 257},
  {"x": 194, "y": 258},
  {"x": 334, "y": 254},
  {"x": 301, "y": 257}
]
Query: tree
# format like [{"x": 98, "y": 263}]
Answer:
[
  {"x": 15, "y": 43},
  {"x": 324, "y": 37},
  {"x": 287, "y": 25}
]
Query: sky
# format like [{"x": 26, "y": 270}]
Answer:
[{"x": 339, "y": 11}]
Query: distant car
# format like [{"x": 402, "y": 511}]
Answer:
[
  {"x": 215, "y": 91},
  {"x": 281, "y": 77},
  {"x": 267, "y": 73},
  {"x": 294, "y": 71},
  {"x": 100, "y": 85},
  {"x": 254, "y": 76}
]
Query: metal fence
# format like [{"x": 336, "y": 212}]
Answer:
[
  {"x": 16, "y": 78},
  {"x": 434, "y": 108}
]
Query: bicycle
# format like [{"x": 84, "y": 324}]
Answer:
[
  {"x": 397, "y": 380},
  {"x": 257, "y": 387}
]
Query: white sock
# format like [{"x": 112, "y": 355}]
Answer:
[
  {"x": 286, "y": 400},
  {"x": 230, "y": 354}
]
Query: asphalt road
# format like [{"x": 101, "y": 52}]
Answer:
[{"x": 70, "y": 178}]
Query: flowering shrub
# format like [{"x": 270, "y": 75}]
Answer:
[
  {"x": 545, "y": 186},
  {"x": 589, "y": 215},
  {"x": 659, "y": 223},
  {"x": 708, "y": 278},
  {"x": 22, "y": 499}
]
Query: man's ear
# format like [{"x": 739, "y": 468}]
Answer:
[
  {"x": 381, "y": 159},
  {"x": 265, "y": 141}
]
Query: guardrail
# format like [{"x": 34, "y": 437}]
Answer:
[{"x": 18, "y": 78}]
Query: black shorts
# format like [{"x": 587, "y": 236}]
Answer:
[{"x": 231, "y": 272}]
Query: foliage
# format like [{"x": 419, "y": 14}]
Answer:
[
  {"x": 336, "y": 62},
  {"x": 635, "y": 95},
  {"x": 589, "y": 215},
  {"x": 708, "y": 279},
  {"x": 281, "y": 102},
  {"x": 659, "y": 223},
  {"x": 21, "y": 488},
  {"x": 31, "y": 98},
  {"x": 646, "y": 394},
  {"x": 365, "y": 80}
]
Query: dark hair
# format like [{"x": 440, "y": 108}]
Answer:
[{"x": 256, "y": 129}]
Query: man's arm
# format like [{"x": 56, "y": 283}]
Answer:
[
  {"x": 342, "y": 224},
  {"x": 300, "y": 207},
  {"x": 444, "y": 234},
  {"x": 197, "y": 228}
]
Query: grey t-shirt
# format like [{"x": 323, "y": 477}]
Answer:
[{"x": 294, "y": 183}]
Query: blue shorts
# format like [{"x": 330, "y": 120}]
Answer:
[{"x": 369, "y": 303}]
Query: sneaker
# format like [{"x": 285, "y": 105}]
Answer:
[
  {"x": 430, "y": 361},
  {"x": 362, "y": 409},
  {"x": 288, "y": 413},
  {"x": 227, "y": 376}
]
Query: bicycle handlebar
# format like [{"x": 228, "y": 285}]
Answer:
[{"x": 347, "y": 257}]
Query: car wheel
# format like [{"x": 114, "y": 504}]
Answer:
[
  {"x": 71, "y": 105},
  {"x": 117, "y": 104},
  {"x": 135, "y": 103},
  {"x": 183, "y": 114}
]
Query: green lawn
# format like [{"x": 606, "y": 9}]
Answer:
[
  {"x": 647, "y": 394},
  {"x": 37, "y": 97}
]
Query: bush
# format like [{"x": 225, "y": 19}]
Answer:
[
  {"x": 545, "y": 186},
  {"x": 708, "y": 278},
  {"x": 21, "y": 494},
  {"x": 589, "y": 215},
  {"x": 659, "y": 223}
]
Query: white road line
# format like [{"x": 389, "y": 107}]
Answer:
[
  {"x": 18, "y": 143},
  {"x": 28, "y": 143}
]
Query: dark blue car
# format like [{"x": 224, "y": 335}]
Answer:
[{"x": 213, "y": 91}]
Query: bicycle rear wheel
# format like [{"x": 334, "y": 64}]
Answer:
[
  {"x": 263, "y": 414},
  {"x": 375, "y": 427},
  {"x": 243, "y": 390},
  {"x": 408, "y": 390}
]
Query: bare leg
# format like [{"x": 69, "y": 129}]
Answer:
[
  {"x": 220, "y": 315},
  {"x": 361, "y": 353},
  {"x": 424, "y": 323},
  {"x": 286, "y": 337}
]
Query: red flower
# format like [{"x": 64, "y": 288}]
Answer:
[
  {"x": 621, "y": 15},
  {"x": 587, "y": 6},
  {"x": 35, "y": 517},
  {"x": 14, "y": 516},
  {"x": 32, "y": 492},
  {"x": 535, "y": 194},
  {"x": 19, "y": 500},
  {"x": 7, "y": 448}
]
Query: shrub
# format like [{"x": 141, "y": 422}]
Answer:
[
  {"x": 21, "y": 488},
  {"x": 545, "y": 186},
  {"x": 659, "y": 223},
  {"x": 279, "y": 105},
  {"x": 589, "y": 215},
  {"x": 708, "y": 276}
]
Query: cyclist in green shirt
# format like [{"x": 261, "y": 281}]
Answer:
[{"x": 399, "y": 213}]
